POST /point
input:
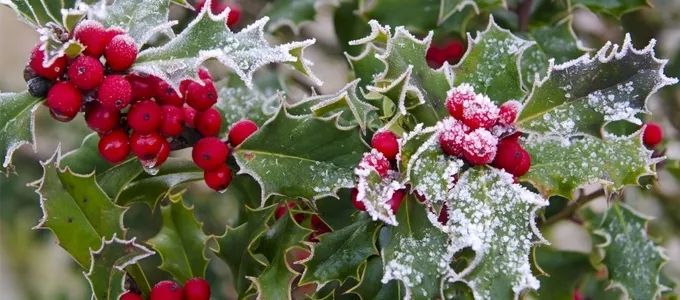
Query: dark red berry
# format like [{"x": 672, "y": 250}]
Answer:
[
  {"x": 451, "y": 52},
  {"x": 508, "y": 156},
  {"x": 443, "y": 215},
  {"x": 480, "y": 147},
  {"x": 201, "y": 96},
  {"x": 93, "y": 36},
  {"x": 146, "y": 146},
  {"x": 39, "y": 86},
  {"x": 173, "y": 121},
  {"x": 166, "y": 95},
  {"x": 166, "y": 290},
  {"x": 208, "y": 123},
  {"x": 52, "y": 71},
  {"x": 319, "y": 225},
  {"x": 240, "y": 131},
  {"x": 121, "y": 52},
  {"x": 508, "y": 112},
  {"x": 163, "y": 154},
  {"x": 145, "y": 116},
  {"x": 377, "y": 161},
  {"x": 64, "y": 101},
  {"x": 457, "y": 98},
  {"x": 189, "y": 115},
  {"x": 210, "y": 153},
  {"x": 359, "y": 205},
  {"x": 524, "y": 164},
  {"x": 395, "y": 201},
  {"x": 218, "y": 179},
  {"x": 480, "y": 113},
  {"x": 143, "y": 87},
  {"x": 114, "y": 146},
  {"x": 386, "y": 143},
  {"x": 282, "y": 209},
  {"x": 101, "y": 119},
  {"x": 234, "y": 13},
  {"x": 115, "y": 92},
  {"x": 452, "y": 136},
  {"x": 129, "y": 295},
  {"x": 184, "y": 85},
  {"x": 653, "y": 134},
  {"x": 86, "y": 72},
  {"x": 196, "y": 289}
]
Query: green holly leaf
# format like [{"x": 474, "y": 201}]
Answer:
[
  {"x": 207, "y": 37},
  {"x": 418, "y": 253},
  {"x": 632, "y": 258},
  {"x": 495, "y": 218},
  {"x": 39, "y": 13},
  {"x": 565, "y": 270},
  {"x": 294, "y": 13},
  {"x": 673, "y": 167},
  {"x": 339, "y": 254},
  {"x": 366, "y": 65},
  {"x": 150, "y": 17},
  {"x": 300, "y": 156},
  {"x": 148, "y": 188},
  {"x": 76, "y": 210},
  {"x": 371, "y": 286},
  {"x": 337, "y": 213},
  {"x": 374, "y": 192},
  {"x": 107, "y": 266},
  {"x": 86, "y": 158},
  {"x": 181, "y": 242},
  {"x": 448, "y": 8},
  {"x": 500, "y": 80},
  {"x": 17, "y": 114},
  {"x": 613, "y": 7},
  {"x": 582, "y": 95},
  {"x": 560, "y": 166},
  {"x": 237, "y": 102}
]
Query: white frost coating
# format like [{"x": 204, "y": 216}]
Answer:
[
  {"x": 402, "y": 80},
  {"x": 369, "y": 49},
  {"x": 431, "y": 172},
  {"x": 376, "y": 31},
  {"x": 12, "y": 146},
  {"x": 374, "y": 192}
]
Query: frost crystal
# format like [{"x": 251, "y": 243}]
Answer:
[{"x": 374, "y": 191}]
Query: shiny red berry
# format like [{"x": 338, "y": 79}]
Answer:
[
  {"x": 129, "y": 295},
  {"x": 166, "y": 95},
  {"x": 101, "y": 119},
  {"x": 480, "y": 147},
  {"x": 173, "y": 121},
  {"x": 452, "y": 136},
  {"x": 395, "y": 201},
  {"x": 162, "y": 156},
  {"x": 508, "y": 156},
  {"x": 196, "y": 289},
  {"x": 93, "y": 36},
  {"x": 508, "y": 112},
  {"x": 457, "y": 98},
  {"x": 204, "y": 74},
  {"x": 114, "y": 146},
  {"x": 52, "y": 71},
  {"x": 189, "y": 115},
  {"x": 201, "y": 96},
  {"x": 121, "y": 52},
  {"x": 143, "y": 87},
  {"x": 115, "y": 92},
  {"x": 377, "y": 161},
  {"x": 112, "y": 32},
  {"x": 86, "y": 72},
  {"x": 64, "y": 101},
  {"x": 210, "y": 153},
  {"x": 145, "y": 116},
  {"x": 653, "y": 134},
  {"x": 146, "y": 146},
  {"x": 218, "y": 179},
  {"x": 208, "y": 123},
  {"x": 240, "y": 131},
  {"x": 386, "y": 143},
  {"x": 480, "y": 113},
  {"x": 166, "y": 290},
  {"x": 524, "y": 164},
  {"x": 359, "y": 205}
]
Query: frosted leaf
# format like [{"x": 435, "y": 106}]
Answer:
[
  {"x": 39, "y": 13},
  {"x": 140, "y": 19},
  {"x": 365, "y": 65},
  {"x": 239, "y": 102},
  {"x": 17, "y": 116},
  {"x": 375, "y": 192}
]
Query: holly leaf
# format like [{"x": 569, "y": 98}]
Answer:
[
  {"x": 208, "y": 37},
  {"x": 496, "y": 219},
  {"x": 339, "y": 254},
  {"x": 148, "y": 188},
  {"x": 86, "y": 158},
  {"x": 76, "y": 210},
  {"x": 375, "y": 192},
  {"x": 336, "y": 213},
  {"x": 17, "y": 114},
  {"x": 581, "y": 96},
  {"x": 366, "y": 65},
  {"x": 673, "y": 167},
  {"x": 300, "y": 156},
  {"x": 237, "y": 102},
  {"x": 632, "y": 258},
  {"x": 294, "y": 13},
  {"x": 107, "y": 266},
  {"x": 149, "y": 17},
  {"x": 181, "y": 242},
  {"x": 371, "y": 287},
  {"x": 39, "y": 13},
  {"x": 500, "y": 80},
  {"x": 613, "y": 7},
  {"x": 564, "y": 271},
  {"x": 560, "y": 166}
]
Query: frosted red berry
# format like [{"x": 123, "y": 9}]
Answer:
[
  {"x": 146, "y": 146},
  {"x": 457, "y": 98},
  {"x": 129, "y": 295},
  {"x": 204, "y": 74},
  {"x": 143, "y": 87},
  {"x": 166, "y": 290},
  {"x": 189, "y": 115},
  {"x": 653, "y": 134},
  {"x": 240, "y": 131},
  {"x": 452, "y": 136},
  {"x": 101, "y": 119},
  {"x": 208, "y": 123},
  {"x": 359, "y": 205},
  {"x": 172, "y": 123},
  {"x": 121, "y": 52},
  {"x": 218, "y": 179},
  {"x": 508, "y": 112},
  {"x": 210, "y": 153},
  {"x": 196, "y": 289},
  {"x": 508, "y": 156},
  {"x": 115, "y": 92},
  {"x": 112, "y": 32},
  {"x": 396, "y": 199},
  {"x": 145, "y": 116},
  {"x": 201, "y": 96},
  {"x": 52, "y": 71},
  {"x": 480, "y": 147},
  {"x": 86, "y": 72},
  {"x": 93, "y": 36},
  {"x": 386, "y": 143},
  {"x": 64, "y": 101},
  {"x": 114, "y": 146},
  {"x": 166, "y": 95},
  {"x": 377, "y": 161},
  {"x": 480, "y": 113}
]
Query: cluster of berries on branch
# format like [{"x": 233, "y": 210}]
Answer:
[{"x": 194, "y": 289}]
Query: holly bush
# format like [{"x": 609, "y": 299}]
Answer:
[{"x": 434, "y": 173}]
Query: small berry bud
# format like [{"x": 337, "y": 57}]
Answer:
[
  {"x": 114, "y": 146},
  {"x": 121, "y": 52},
  {"x": 64, "y": 101},
  {"x": 377, "y": 161},
  {"x": 508, "y": 112},
  {"x": 196, "y": 289},
  {"x": 101, "y": 119},
  {"x": 240, "y": 131},
  {"x": 452, "y": 136},
  {"x": 208, "y": 123},
  {"x": 480, "y": 113},
  {"x": 201, "y": 96},
  {"x": 173, "y": 121},
  {"x": 143, "y": 87},
  {"x": 86, "y": 72},
  {"x": 189, "y": 115},
  {"x": 386, "y": 143},
  {"x": 166, "y": 290},
  {"x": 210, "y": 153},
  {"x": 115, "y": 92},
  {"x": 508, "y": 156},
  {"x": 146, "y": 146},
  {"x": 524, "y": 164}
]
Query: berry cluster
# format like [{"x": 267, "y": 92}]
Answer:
[
  {"x": 217, "y": 7},
  {"x": 451, "y": 51},
  {"x": 194, "y": 289}
]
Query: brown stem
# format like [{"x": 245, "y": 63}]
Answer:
[
  {"x": 569, "y": 210},
  {"x": 524, "y": 14}
]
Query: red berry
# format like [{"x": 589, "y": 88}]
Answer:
[
  {"x": 480, "y": 113},
  {"x": 386, "y": 143},
  {"x": 508, "y": 112},
  {"x": 480, "y": 147},
  {"x": 395, "y": 201},
  {"x": 143, "y": 87},
  {"x": 145, "y": 116},
  {"x": 64, "y": 101},
  {"x": 86, "y": 72},
  {"x": 653, "y": 134},
  {"x": 204, "y": 74},
  {"x": 319, "y": 225},
  {"x": 218, "y": 179},
  {"x": 166, "y": 290},
  {"x": 359, "y": 205},
  {"x": 377, "y": 161},
  {"x": 189, "y": 115},
  {"x": 129, "y": 295},
  {"x": 201, "y": 96},
  {"x": 166, "y": 95},
  {"x": 240, "y": 131},
  {"x": 101, "y": 119},
  {"x": 457, "y": 98},
  {"x": 524, "y": 164},
  {"x": 208, "y": 123},
  {"x": 114, "y": 146},
  {"x": 161, "y": 156},
  {"x": 52, "y": 71},
  {"x": 443, "y": 215},
  {"x": 515, "y": 136},
  {"x": 196, "y": 289},
  {"x": 112, "y": 32},
  {"x": 173, "y": 121},
  {"x": 115, "y": 92},
  {"x": 121, "y": 52},
  {"x": 146, "y": 146},
  {"x": 93, "y": 36},
  {"x": 452, "y": 136},
  {"x": 508, "y": 156},
  {"x": 210, "y": 153},
  {"x": 184, "y": 85},
  {"x": 234, "y": 14},
  {"x": 454, "y": 51}
]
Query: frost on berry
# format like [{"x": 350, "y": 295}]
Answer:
[
  {"x": 452, "y": 134},
  {"x": 375, "y": 191},
  {"x": 376, "y": 161},
  {"x": 508, "y": 112},
  {"x": 480, "y": 147},
  {"x": 480, "y": 113},
  {"x": 456, "y": 97}
]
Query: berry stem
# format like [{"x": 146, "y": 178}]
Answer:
[{"x": 569, "y": 210}]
